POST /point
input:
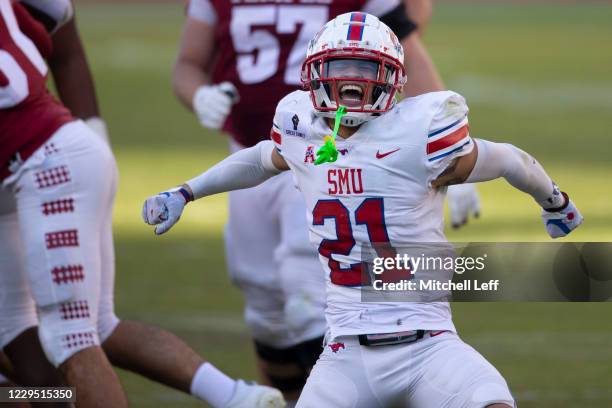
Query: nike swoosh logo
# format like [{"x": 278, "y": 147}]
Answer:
[{"x": 380, "y": 155}]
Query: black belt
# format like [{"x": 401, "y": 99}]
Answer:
[{"x": 387, "y": 339}]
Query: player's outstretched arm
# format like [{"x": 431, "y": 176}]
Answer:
[
  {"x": 489, "y": 161},
  {"x": 243, "y": 169}
]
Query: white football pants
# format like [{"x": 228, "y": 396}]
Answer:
[
  {"x": 57, "y": 257},
  {"x": 434, "y": 372}
]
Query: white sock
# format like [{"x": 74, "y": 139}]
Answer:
[{"x": 212, "y": 386}]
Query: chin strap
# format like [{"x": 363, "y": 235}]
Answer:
[{"x": 328, "y": 153}]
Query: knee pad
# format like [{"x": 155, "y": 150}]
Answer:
[
  {"x": 303, "y": 355},
  {"x": 65, "y": 329},
  {"x": 308, "y": 352}
]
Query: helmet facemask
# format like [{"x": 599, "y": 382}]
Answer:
[{"x": 364, "y": 81}]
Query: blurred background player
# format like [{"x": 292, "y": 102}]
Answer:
[
  {"x": 144, "y": 349},
  {"x": 58, "y": 172},
  {"x": 236, "y": 61}
]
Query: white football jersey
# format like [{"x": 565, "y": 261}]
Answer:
[{"x": 378, "y": 191}]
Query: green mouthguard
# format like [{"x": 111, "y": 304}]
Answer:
[{"x": 328, "y": 152}]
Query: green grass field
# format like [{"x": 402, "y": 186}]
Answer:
[{"x": 535, "y": 76}]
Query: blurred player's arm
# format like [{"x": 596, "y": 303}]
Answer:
[
  {"x": 489, "y": 161},
  {"x": 194, "y": 59},
  {"x": 191, "y": 76},
  {"x": 420, "y": 12},
  {"x": 422, "y": 73},
  {"x": 243, "y": 169},
  {"x": 67, "y": 62},
  {"x": 408, "y": 21},
  {"x": 71, "y": 72}
]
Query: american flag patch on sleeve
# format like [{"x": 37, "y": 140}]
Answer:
[{"x": 448, "y": 140}]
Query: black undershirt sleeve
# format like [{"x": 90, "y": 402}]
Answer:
[{"x": 399, "y": 22}]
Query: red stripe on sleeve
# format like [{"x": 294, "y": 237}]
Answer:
[
  {"x": 274, "y": 135},
  {"x": 448, "y": 140}
]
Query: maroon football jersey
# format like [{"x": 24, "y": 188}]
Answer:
[
  {"x": 261, "y": 46},
  {"x": 29, "y": 114}
]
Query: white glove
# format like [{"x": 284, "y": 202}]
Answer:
[
  {"x": 463, "y": 201},
  {"x": 99, "y": 127},
  {"x": 212, "y": 103},
  {"x": 165, "y": 209},
  {"x": 560, "y": 222}
]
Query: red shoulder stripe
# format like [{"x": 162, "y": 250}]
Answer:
[
  {"x": 448, "y": 140},
  {"x": 274, "y": 135}
]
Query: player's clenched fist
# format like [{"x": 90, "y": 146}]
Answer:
[
  {"x": 212, "y": 103},
  {"x": 561, "y": 221},
  {"x": 165, "y": 209}
]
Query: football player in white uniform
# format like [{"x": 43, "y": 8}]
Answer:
[
  {"x": 382, "y": 180},
  {"x": 255, "y": 50}
]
